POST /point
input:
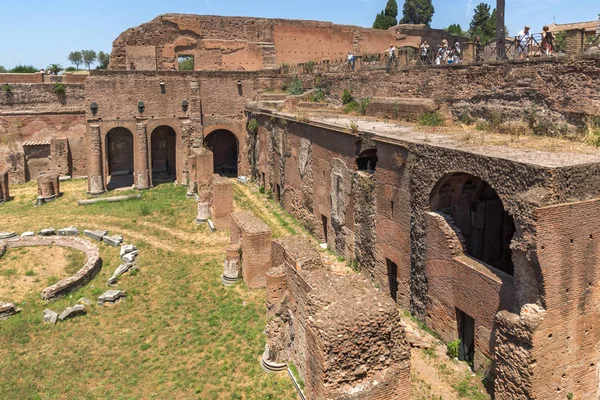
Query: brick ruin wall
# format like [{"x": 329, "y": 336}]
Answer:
[
  {"x": 250, "y": 44},
  {"x": 340, "y": 353},
  {"x": 314, "y": 171},
  {"x": 53, "y": 124}
]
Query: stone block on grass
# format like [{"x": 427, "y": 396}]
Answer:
[{"x": 96, "y": 235}]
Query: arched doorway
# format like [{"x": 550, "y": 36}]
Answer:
[
  {"x": 163, "y": 144},
  {"x": 479, "y": 214},
  {"x": 224, "y": 146},
  {"x": 119, "y": 158}
]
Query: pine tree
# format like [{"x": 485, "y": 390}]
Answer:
[
  {"x": 417, "y": 12},
  {"x": 455, "y": 29},
  {"x": 480, "y": 19},
  {"x": 387, "y": 18}
]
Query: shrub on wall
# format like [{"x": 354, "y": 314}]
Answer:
[
  {"x": 346, "y": 97},
  {"x": 362, "y": 106},
  {"x": 432, "y": 119},
  {"x": 6, "y": 88},
  {"x": 295, "y": 87},
  {"x": 59, "y": 88},
  {"x": 253, "y": 125},
  {"x": 452, "y": 348}
]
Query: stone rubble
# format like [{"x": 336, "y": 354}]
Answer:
[
  {"x": 114, "y": 241},
  {"x": 78, "y": 309},
  {"x": 111, "y": 296},
  {"x": 48, "y": 232},
  {"x": 96, "y": 235},
  {"x": 71, "y": 231},
  {"x": 50, "y": 316},
  {"x": 28, "y": 234},
  {"x": 123, "y": 268},
  {"x": 127, "y": 248},
  {"x": 8, "y": 310},
  {"x": 7, "y": 235}
]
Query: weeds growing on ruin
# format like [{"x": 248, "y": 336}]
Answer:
[
  {"x": 309, "y": 67},
  {"x": 363, "y": 105},
  {"x": 59, "y": 88},
  {"x": 592, "y": 127},
  {"x": 452, "y": 348},
  {"x": 431, "y": 119},
  {"x": 295, "y": 87},
  {"x": 6, "y": 88},
  {"x": 253, "y": 125},
  {"x": 318, "y": 96},
  {"x": 346, "y": 97}
]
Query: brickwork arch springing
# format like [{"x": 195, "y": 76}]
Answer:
[{"x": 480, "y": 215}]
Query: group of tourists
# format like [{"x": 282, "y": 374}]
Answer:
[{"x": 445, "y": 53}]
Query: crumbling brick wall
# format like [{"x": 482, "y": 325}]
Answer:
[
  {"x": 222, "y": 202},
  {"x": 254, "y": 237},
  {"x": 341, "y": 349},
  {"x": 242, "y": 43}
]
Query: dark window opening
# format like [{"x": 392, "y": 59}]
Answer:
[
  {"x": 367, "y": 161},
  {"x": 185, "y": 62},
  {"x": 324, "y": 220},
  {"x": 224, "y": 146},
  {"x": 478, "y": 212},
  {"x": 264, "y": 182},
  {"x": 466, "y": 335},
  {"x": 278, "y": 192},
  {"x": 392, "y": 270}
]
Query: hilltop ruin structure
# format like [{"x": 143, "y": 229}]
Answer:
[{"x": 493, "y": 245}]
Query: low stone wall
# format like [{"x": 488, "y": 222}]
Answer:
[
  {"x": 22, "y": 78},
  {"x": 84, "y": 275}
]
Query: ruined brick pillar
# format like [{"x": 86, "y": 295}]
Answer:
[
  {"x": 95, "y": 180},
  {"x": 574, "y": 42},
  {"x": 204, "y": 168},
  {"x": 468, "y": 55},
  {"x": 4, "y": 194},
  {"x": 222, "y": 202},
  {"x": 142, "y": 172},
  {"x": 231, "y": 269}
]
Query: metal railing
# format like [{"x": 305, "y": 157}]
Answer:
[
  {"x": 529, "y": 47},
  {"x": 591, "y": 43}
]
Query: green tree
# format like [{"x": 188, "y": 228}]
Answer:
[
  {"x": 387, "y": 18},
  {"x": 76, "y": 58},
  {"x": 103, "y": 60},
  {"x": 483, "y": 23},
  {"x": 55, "y": 68},
  {"x": 417, "y": 12},
  {"x": 24, "y": 69},
  {"x": 89, "y": 57},
  {"x": 455, "y": 29},
  {"x": 2, "y": 70}
]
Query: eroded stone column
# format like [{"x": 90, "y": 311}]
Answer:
[
  {"x": 274, "y": 358},
  {"x": 48, "y": 188},
  {"x": 96, "y": 180},
  {"x": 231, "y": 270},
  {"x": 4, "y": 194},
  {"x": 203, "y": 206},
  {"x": 191, "y": 177},
  {"x": 142, "y": 173}
]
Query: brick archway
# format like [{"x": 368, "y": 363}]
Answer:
[{"x": 119, "y": 150}]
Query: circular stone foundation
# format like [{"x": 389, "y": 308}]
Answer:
[{"x": 91, "y": 267}]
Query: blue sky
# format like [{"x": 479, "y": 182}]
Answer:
[{"x": 40, "y": 32}]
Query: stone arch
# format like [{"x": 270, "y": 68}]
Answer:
[
  {"x": 163, "y": 154},
  {"x": 181, "y": 145},
  {"x": 225, "y": 147},
  {"x": 479, "y": 214},
  {"x": 119, "y": 158}
]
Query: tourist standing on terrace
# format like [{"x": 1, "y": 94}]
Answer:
[
  {"x": 391, "y": 54},
  {"x": 547, "y": 41},
  {"x": 351, "y": 60},
  {"x": 478, "y": 49},
  {"x": 456, "y": 52},
  {"x": 524, "y": 42},
  {"x": 424, "y": 52}
]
